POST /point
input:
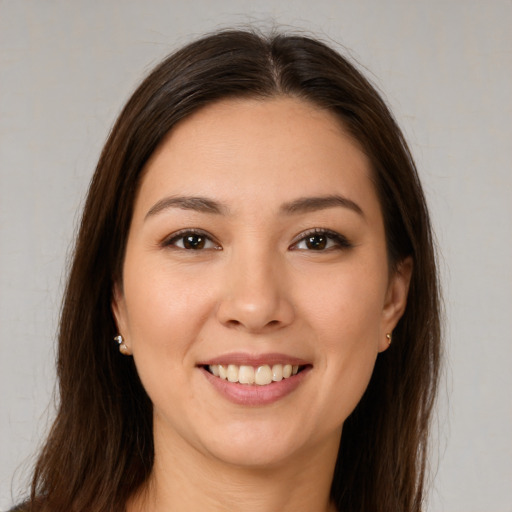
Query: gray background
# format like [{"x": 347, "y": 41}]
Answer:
[{"x": 446, "y": 70}]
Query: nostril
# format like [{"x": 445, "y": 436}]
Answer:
[{"x": 237, "y": 323}]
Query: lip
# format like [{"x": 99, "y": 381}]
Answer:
[
  {"x": 253, "y": 395},
  {"x": 241, "y": 358}
]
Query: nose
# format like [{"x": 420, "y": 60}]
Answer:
[{"x": 256, "y": 293}]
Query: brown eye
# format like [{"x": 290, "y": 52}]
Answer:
[
  {"x": 316, "y": 242},
  {"x": 191, "y": 240},
  {"x": 194, "y": 242},
  {"x": 321, "y": 240}
]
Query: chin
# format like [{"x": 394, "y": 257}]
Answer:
[
  {"x": 254, "y": 455},
  {"x": 263, "y": 444}
]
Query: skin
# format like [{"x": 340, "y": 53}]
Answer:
[{"x": 255, "y": 287}]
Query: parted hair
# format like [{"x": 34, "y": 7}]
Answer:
[{"x": 100, "y": 447}]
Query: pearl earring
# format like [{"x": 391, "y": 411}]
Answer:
[{"x": 122, "y": 345}]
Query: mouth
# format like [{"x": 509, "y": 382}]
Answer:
[
  {"x": 255, "y": 379},
  {"x": 261, "y": 375}
]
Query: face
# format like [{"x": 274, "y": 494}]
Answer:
[{"x": 256, "y": 249}]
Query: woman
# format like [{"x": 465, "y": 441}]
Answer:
[{"x": 251, "y": 320}]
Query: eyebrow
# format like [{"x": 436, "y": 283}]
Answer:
[
  {"x": 310, "y": 204},
  {"x": 198, "y": 204},
  {"x": 301, "y": 205}
]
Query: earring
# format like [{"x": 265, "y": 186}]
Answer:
[
  {"x": 389, "y": 336},
  {"x": 122, "y": 345}
]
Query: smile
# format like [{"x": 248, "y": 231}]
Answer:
[{"x": 262, "y": 375}]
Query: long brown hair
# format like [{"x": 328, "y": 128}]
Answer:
[{"x": 100, "y": 449}]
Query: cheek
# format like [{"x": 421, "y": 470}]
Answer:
[
  {"x": 165, "y": 309},
  {"x": 160, "y": 295},
  {"x": 163, "y": 318},
  {"x": 345, "y": 312},
  {"x": 346, "y": 303}
]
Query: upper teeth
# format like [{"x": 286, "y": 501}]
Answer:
[{"x": 261, "y": 375}]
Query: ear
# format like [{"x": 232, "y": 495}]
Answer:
[
  {"x": 119, "y": 311},
  {"x": 396, "y": 300}
]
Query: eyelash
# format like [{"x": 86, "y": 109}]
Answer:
[
  {"x": 340, "y": 241},
  {"x": 182, "y": 234}
]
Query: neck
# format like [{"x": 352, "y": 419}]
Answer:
[{"x": 184, "y": 478}]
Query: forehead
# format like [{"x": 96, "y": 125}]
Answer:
[{"x": 244, "y": 149}]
